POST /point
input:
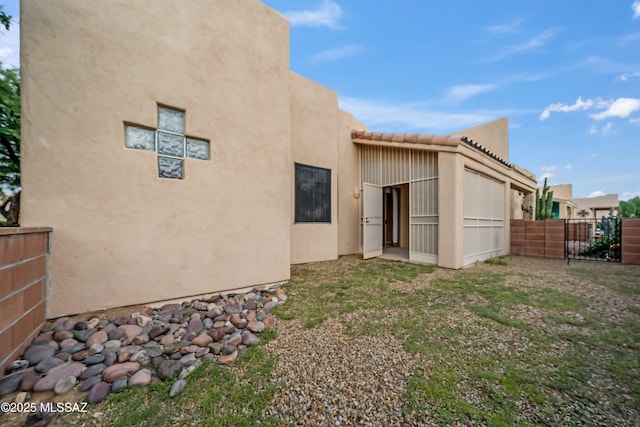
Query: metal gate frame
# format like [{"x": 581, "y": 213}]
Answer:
[{"x": 593, "y": 239}]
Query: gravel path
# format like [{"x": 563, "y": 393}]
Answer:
[{"x": 328, "y": 378}]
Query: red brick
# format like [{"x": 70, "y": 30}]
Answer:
[
  {"x": 35, "y": 244},
  {"x": 6, "y": 281},
  {"x": 11, "y": 248},
  {"x": 6, "y": 344},
  {"x": 11, "y": 309},
  {"x": 26, "y": 326},
  {"x": 33, "y": 295},
  {"x": 29, "y": 271},
  {"x": 630, "y": 240},
  {"x": 628, "y": 258}
]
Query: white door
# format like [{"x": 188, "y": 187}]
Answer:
[{"x": 372, "y": 221}]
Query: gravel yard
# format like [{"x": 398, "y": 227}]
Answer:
[
  {"x": 379, "y": 342},
  {"x": 358, "y": 366}
]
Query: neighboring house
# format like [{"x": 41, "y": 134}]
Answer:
[
  {"x": 597, "y": 207},
  {"x": 564, "y": 207},
  {"x": 175, "y": 154}
]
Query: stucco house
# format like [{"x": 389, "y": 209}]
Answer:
[
  {"x": 597, "y": 207},
  {"x": 176, "y": 154},
  {"x": 564, "y": 207}
]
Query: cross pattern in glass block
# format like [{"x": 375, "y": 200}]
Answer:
[{"x": 168, "y": 141}]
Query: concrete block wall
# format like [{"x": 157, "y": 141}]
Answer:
[
  {"x": 23, "y": 283},
  {"x": 631, "y": 241},
  {"x": 538, "y": 238}
]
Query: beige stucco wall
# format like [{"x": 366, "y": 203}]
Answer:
[
  {"x": 561, "y": 191},
  {"x": 123, "y": 235},
  {"x": 450, "y": 205},
  {"x": 494, "y": 135},
  {"x": 314, "y": 131},
  {"x": 348, "y": 183}
]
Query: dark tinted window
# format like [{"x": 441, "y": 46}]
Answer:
[{"x": 313, "y": 194}]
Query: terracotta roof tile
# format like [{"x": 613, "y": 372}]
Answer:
[{"x": 421, "y": 138}]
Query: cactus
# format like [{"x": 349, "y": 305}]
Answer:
[{"x": 544, "y": 202}]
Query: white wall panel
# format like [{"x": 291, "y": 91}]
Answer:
[{"x": 483, "y": 209}]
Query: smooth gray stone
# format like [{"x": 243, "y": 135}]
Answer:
[
  {"x": 169, "y": 368},
  {"x": 37, "y": 353},
  {"x": 119, "y": 384},
  {"x": 92, "y": 371},
  {"x": 10, "y": 383},
  {"x": 110, "y": 357},
  {"x": 90, "y": 382},
  {"x": 76, "y": 348},
  {"x": 269, "y": 306},
  {"x": 82, "y": 335},
  {"x": 154, "y": 351},
  {"x": 99, "y": 392},
  {"x": 96, "y": 358},
  {"x": 48, "y": 363},
  {"x": 65, "y": 385},
  {"x": 177, "y": 387},
  {"x": 188, "y": 359}
]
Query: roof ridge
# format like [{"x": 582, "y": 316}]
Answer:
[{"x": 451, "y": 140}]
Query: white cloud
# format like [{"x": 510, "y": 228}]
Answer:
[
  {"x": 593, "y": 130},
  {"x": 544, "y": 176},
  {"x": 597, "y": 194},
  {"x": 464, "y": 92},
  {"x": 627, "y": 76},
  {"x": 411, "y": 116},
  {"x": 10, "y": 46},
  {"x": 621, "y": 107},
  {"x": 510, "y": 27},
  {"x": 326, "y": 15},
  {"x": 337, "y": 53},
  {"x": 568, "y": 167},
  {"x": 629, "y": 195},
  {"x": 564, "y": 108},
  {"x": 531, "y": 44},
  {"x": 636, "y": 9}
]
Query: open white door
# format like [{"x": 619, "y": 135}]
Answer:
[{"x": 372, "y": 221}]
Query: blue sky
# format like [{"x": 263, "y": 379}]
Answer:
[{"x": 565, "y": 73}]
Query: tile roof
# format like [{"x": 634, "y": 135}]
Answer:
[
  {"x": 412, "y": 138},
  {"x": 418, "y": 138}
]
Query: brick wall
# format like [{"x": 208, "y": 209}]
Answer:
[
  {"x": 631, "y": 241},
  {"x": 23, "y": 279},
  {"x": 538, "y": 238}
]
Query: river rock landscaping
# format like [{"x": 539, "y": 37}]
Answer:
[{"x": 104, "y": 356}]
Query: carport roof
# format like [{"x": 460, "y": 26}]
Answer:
[{"x": 419, "y": 138}]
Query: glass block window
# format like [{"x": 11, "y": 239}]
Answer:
[
  {"x": 170, "y": 144},
  {"x": 140, "y": 138},
  {"x": 169, "y": 141},
  {"x": 312, "y": 194},
  {"x": 197, "y": 148},
  {"x": 169, "y": 167},
  {"x": 170, "y": 120}
]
